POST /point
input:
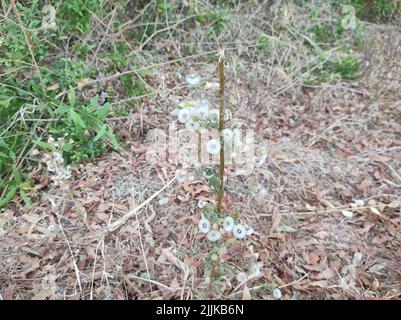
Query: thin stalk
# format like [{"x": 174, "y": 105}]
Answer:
[{"x": 221, "y": 128}]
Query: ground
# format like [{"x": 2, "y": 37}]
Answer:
[{"x": 328, "y": 227}]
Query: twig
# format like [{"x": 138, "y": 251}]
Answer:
[{"x": 116, "y": 224}]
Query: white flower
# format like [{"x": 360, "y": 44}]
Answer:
[
  {"x": 277, "y": 293},
  {"x": 227, "y": 115},
  {"x": 228, "y": 224},
  {"x": 50, "y": 140},
  {"x": 228, "y": 135},
  {"x": 261, "y": 161},
  {"x": 184, "y": 115},
  {"x": 174, "y": 113},
  {"x": 212, "y": 86},
  {"x": 57, "y": 157},
  {"x": 192, "y": 125},
  {"x": 204, "y": 225},
  {"x": 239, "y": 231},
  {"x": 181, "y": 176},
  {"x": 213, "y": 235},
  {"x": 50, "y": 166},
  {"x": 263, "y": 191},
  {"x": 202, "y": 112},
  {"x": 163, "y": 201},
  {"x": 242, "y": 277},
  {"x": 192, "y": 79},
  {"x": 213, "y": 146},
  {"x": 214, "y": 115},
  {"x": 67, "y": 174},
  {"x": 250, "y": 232},
  {"x": 201, "y": 204},
  {"x": 255, "y": 271}
]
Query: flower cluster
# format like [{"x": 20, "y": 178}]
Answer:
[
  {"x": 55, "y": 162},
  {"x": 227, "y": 225}
]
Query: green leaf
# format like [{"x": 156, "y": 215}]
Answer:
[
  {"x": 101, "y": 133},
  {"x": 103, "y": 111},
  {"x": 214, "y": 183},
  {"x": 5, "y": 103},
  {"x": 72, "y": 98},
  {"x": 24, "y": 197},
  {"x": 79, "y": 123},
  {"x": 10, "y": 194},
  {"x": 42, "y": 144}
]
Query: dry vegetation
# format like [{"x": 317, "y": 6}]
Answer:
[{"x": 329, "y": 227}]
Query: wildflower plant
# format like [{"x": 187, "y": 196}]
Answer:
[
  {"x": 54, "y": 160},
  {"x": 219, "y": 228}
]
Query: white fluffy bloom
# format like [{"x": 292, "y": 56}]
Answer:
[
  {"x": 214, "y": 86},
  {"x": 227, "y": 115},
  {"x": 250, "y": 231},
  {"x": 204, "y": 225},
  {"x": 261, "y": 161},
  {"x": 202, "y": 112},
  {"x": 213, "y": 235},
  {"x": 228, "y": 135},
  {"x": 239, "y": 231},
  {"x": 228, "y": 224},
  {"x": 184, "y": 115},
  {"x": 192, "y": 79},
  {"x": 174, "y": 113},
  {"x": 255, "y": 270},
  {"x": 214, "y": 115},
  {"x": 277, "y": 293},
  {"x": 57, "y": 157},
  {"x": 50, "y": 166},
  {"x": 263, "y": 192},
  {"x": 163, "y": 201},
  {"x": 242, "y": 277},
  {"x": 181, "y": 176},
  {"x": 192, "y": 125},
  {"x": 213, "y": 146},
  {"x": 201, "y": 204}
]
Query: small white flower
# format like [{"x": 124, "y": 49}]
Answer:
[
  {"x": 181, "y": 176},
  {"x": 213, "y": 235},
  {"x": 239, "y": 231},
  {"x": 163, "y": 201},
  {"x": 204, "y": 225},
  {"x": 174, "y": 113},
  {"x": 250, "y": 232},
  {"x": 50, "y": 140},
  {"x": 57, "y": 157},
  {"x": 261, "y": 161},
  {"x": 228, "y": 135},
  {"x": 212, "y": 86},
  {"x": 277, "y": 293},
  {"x": 227, "y": 115},
  {"x": 255, "y": 271},
  {"x": 228, "y": 224},
  {"x": 214, "y": 115},
  {"x": 202, "y": 112},
  {"x": 50, "y": 166},
  {"x": 263, "y": 192},
  {"x": 184, "y": 115},
  {"x": 192, "y": 125},
  {"x": 242, "y": 277},
  {"x": 213, "y": 146},
  {"x": 201, "y": 204},
  {"x": 192, "y": 79}
]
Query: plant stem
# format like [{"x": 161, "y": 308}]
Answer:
[{"x": 221, "y": 128}]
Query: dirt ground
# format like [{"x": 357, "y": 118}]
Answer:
[{"x": 328, "y": 227}]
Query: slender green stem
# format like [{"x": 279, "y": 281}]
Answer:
[{"x": 221, "y": 128}]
